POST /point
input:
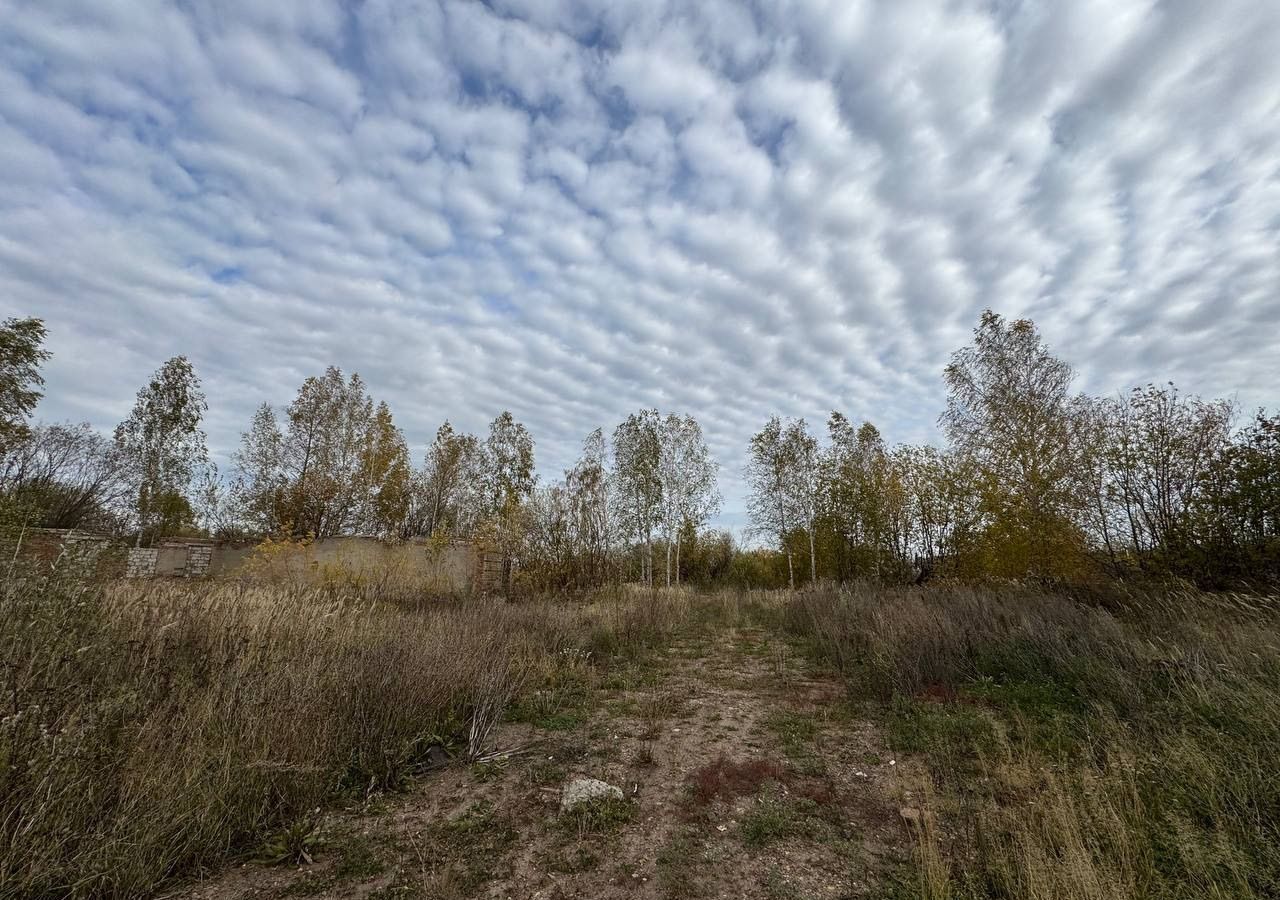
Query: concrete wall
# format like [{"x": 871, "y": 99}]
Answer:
[
  {"x": 355, "y": 561},
  {"x": 56, "y": 545},
  {"x": 426, "y": 566}
]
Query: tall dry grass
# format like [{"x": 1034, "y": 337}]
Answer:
[
  {"x": 1078, "y": 751},
  {"x": 154, "y": 728}
]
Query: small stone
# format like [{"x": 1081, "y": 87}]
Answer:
[
  {"x": 583, "y": 790},
  {"x": 909, "y": 814}
]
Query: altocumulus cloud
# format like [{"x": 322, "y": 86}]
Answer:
[{"x": 574, "y": 209}]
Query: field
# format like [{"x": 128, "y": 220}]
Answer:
[{"x": 222, "y": 740}]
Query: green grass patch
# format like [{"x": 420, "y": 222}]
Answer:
[
  {"x": 946, "y": 730},
  {"x": 359, "y": 859},
  {"x": 599, "y": 816},
  {"x": 679, "y": 863},
  {"x": 472, "y": 847},
  {"x": 776, "y": 817},
  {"x": 796, "y": 731},
  {"x": 571, "y": 860}
]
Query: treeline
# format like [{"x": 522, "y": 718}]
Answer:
[
  {"x": 1033, "y": 481},
  {"x": 333, "y": 462}
]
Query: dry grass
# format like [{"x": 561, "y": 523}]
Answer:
[
  {"x": 725, "y": 779},
  {"x": 1079, "y": 751},
  {"x": 151, "y": 729}
]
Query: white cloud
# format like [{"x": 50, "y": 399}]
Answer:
[{"x": 574, "y": 209}]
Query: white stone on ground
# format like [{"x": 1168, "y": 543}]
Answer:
[{"x": 584, "y": 790}]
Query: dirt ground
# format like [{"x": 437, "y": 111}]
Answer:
[{"x": 745, "y": 775}]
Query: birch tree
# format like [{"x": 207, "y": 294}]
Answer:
[
  {"x": 800, "y": 450},
  {"x": 509, "y": 482},
  {"x": 771, "y": 499},
  {"x": 587, "y": 492},
  {"x": 258, "y": 488},
  {"x": 161, "y": 444},
  {"x": 1009, "y": 409},
  {"x": 637, "y": 444},
  {"x": 1162, "y": 446},
  {"x": 385, "y": 474},
  {"x": 323, "y": 449},
  {"x": 445, "y": 496},
  {"x": 339, "y": 465},
  {"x": 687, "y": 476}
]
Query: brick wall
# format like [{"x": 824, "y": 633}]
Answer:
[{"x": 141, "y": 562}]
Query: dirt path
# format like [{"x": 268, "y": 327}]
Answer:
[{"x": 744, "y": 775}]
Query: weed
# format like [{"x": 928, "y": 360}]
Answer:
[
  {"x": 545, "y": 772},
  {"x": 484, "y": 772},
  {"x": 293, "y": 845},
  {"x": 359, "y": 859},
  {"x": 724, "y": 779},
  {"x": 655, "y": 706},
  {"x": 154, "y": 728},
  {"x": 644, "y": 753},
  {"x": 796, "y": 731},
  {"x": 767, "y": 822},
  {"x": 960, "y": 734},
  {"x": 776, "y": 887},
  {"x": 678, "y": 863},
  {"x": 465, "y": 851},
  {"x": 572, "y": 860},
  {"x": 598, "y": 816}
]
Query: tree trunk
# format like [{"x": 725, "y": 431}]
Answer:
[
  {"x": 813, "y": 558},
  {"x": 677, "y": 559},
  {"x": 791, "y": 571},
  {"x": 143, "y": 510},
  {"x": 668, "y": 562},
  {"x": 648, "y": 558}
]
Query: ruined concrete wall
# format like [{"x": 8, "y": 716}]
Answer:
[
  {"x": 62, "y": 546},
  {"x": 354, "y": 562},
  {"x": 141, "y": 562}
]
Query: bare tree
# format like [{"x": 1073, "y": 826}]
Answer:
[
  {"x": 1161, "y": 446},
  {"x": 70, "y": 476}
]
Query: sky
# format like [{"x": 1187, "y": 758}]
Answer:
[{"x": 574, "y": 210}]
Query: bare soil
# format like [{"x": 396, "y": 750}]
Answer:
[{"x": 746, "y": 775}]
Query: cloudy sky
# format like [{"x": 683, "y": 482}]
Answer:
[{"x": 573, "y": 210}]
